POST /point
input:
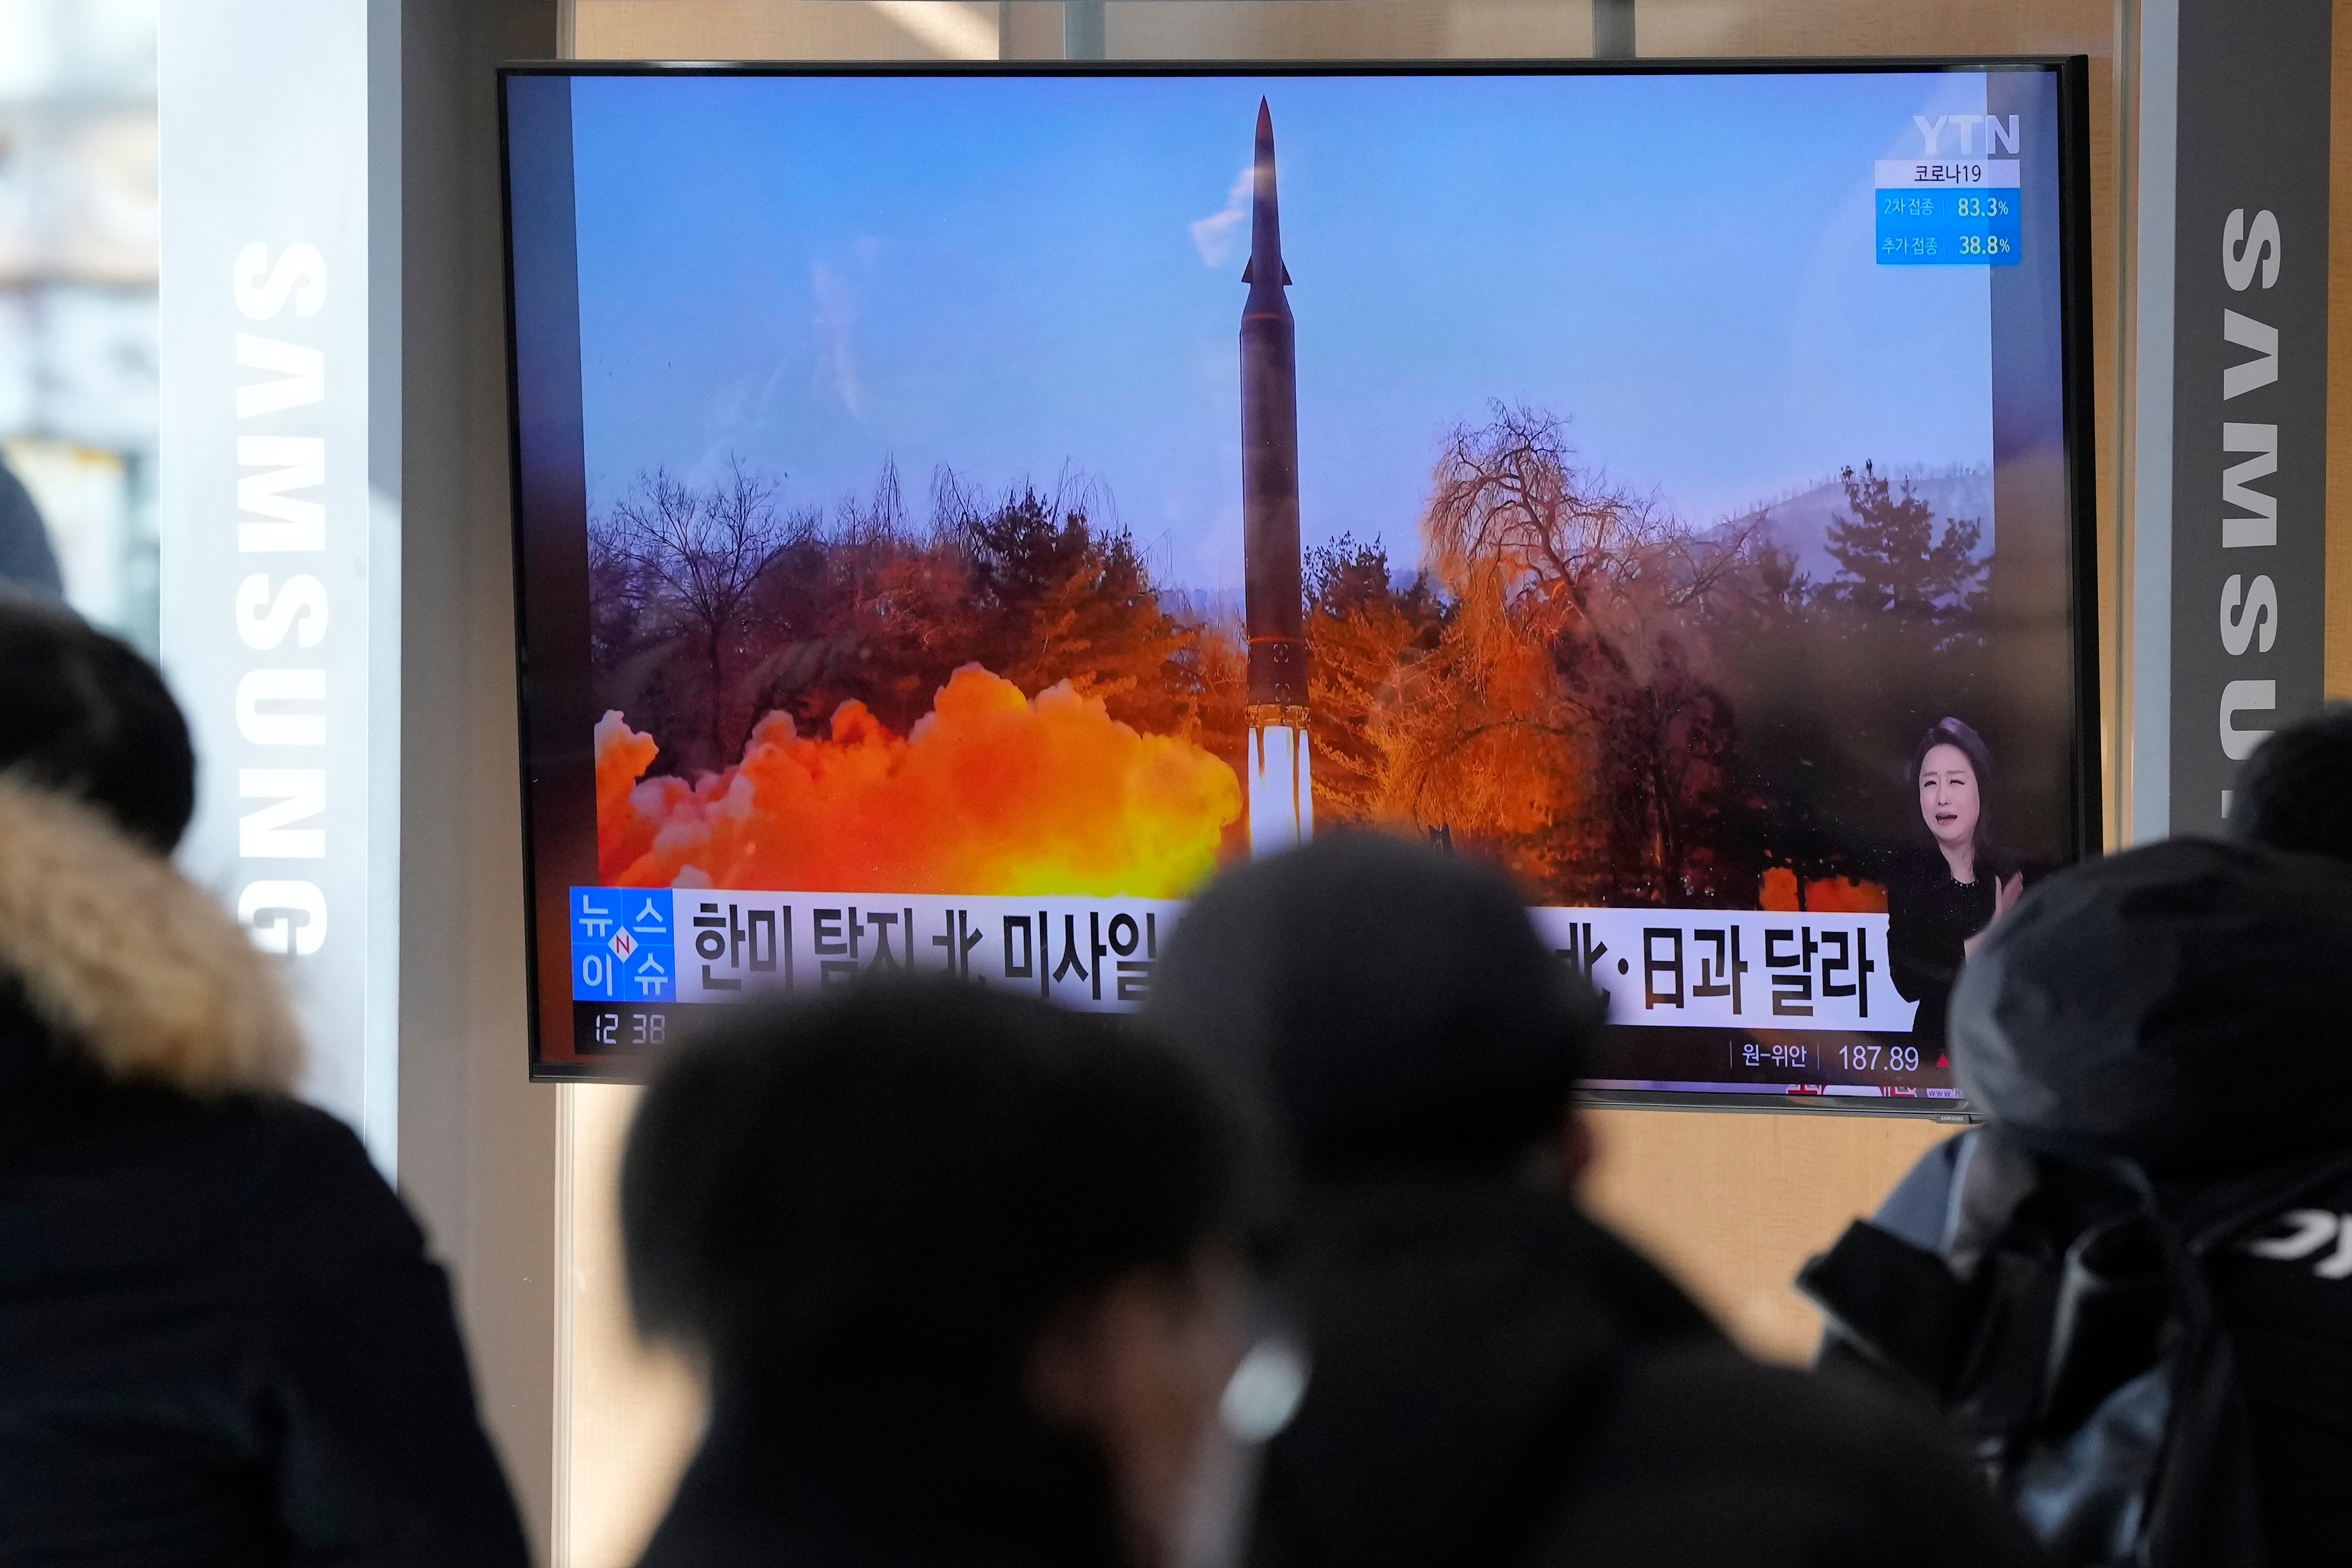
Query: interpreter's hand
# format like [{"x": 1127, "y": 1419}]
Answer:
[{"x": 2006, "y": 891}]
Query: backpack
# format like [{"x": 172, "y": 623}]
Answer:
[{"x": 2066, "y": 1334}]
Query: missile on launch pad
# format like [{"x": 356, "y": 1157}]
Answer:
[{"x": 1281, "y": 781}]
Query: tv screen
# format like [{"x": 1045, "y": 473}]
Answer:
[{"x": 959, "y": 510}]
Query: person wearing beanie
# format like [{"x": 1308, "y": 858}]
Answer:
[
  {"x": 2296, "y": 791},
  {"x": 1496, "y": 1378},
  {"x": 2131, "y": 1288},
  {"x": 221, "y": 1340}
]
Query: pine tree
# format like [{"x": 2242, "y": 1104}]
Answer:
[
  {"x": 1891, "y": 560},
  {"x": 1901, "y": 635}
]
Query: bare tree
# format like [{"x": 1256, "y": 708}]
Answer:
[
  {"x": 696, "y": 555},
  {"x": 881, "y": 516},
  {"x": 1569, "y": 548},
  {"x": 1541, "y": 551}
]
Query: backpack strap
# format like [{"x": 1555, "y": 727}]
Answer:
[
  {"x": 1897, "y": 1307},
  {"x": 2205, "y": 1505},
  {"x": 2066, "y": 1332}
]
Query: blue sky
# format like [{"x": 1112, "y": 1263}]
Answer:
[{"x": 1014, "y": 276}]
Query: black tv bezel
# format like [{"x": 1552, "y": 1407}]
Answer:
[{"x": 2078, "y": 441}]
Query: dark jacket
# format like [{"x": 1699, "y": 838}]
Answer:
[
  {"x": 2283, "y": 1292},
  {"x": 1498, "y": 1380},
  {"x": 875, "y": 1465},
  {"x": 221, "y": 1340},
  {"x": 2173, "y": 1024}
]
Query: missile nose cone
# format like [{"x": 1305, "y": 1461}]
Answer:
[{"x": 1265, "y": 269}]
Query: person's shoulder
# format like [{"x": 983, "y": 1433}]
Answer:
[
  {"x": 708, "y": 1526},
  {"x": 253, "y": 1188},
  {"x": 303, "y": 1222},
  {"x": 269, "y": 1176},
  {"x": 239, "y": 1137},
  {"x": 73, "y": 1116},
  {"x": 1709, "y": 1457},
  {"x": 1753, "y": 1408},
  {"x": 280, "y": 1127},
  {"x": 1918, "y": 1209},
  {"x": 304, "y": 1167}
]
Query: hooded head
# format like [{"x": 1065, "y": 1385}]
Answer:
[
  {"x": 82, "y": 714},
  {"x": 1394, "y": 1007},
  {"x": 2186, "y": 1005},
  {"x": 112, "y": 955}
]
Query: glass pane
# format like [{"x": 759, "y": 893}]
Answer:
[{"x": 78, "y": 256}]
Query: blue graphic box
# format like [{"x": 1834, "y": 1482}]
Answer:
[{"x": 623, "y": 949}]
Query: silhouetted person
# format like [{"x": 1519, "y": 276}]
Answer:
[
  {"x": 2131, "y": 1290},
  {"x": 964, "y": 1268},
  {"x": 27, "y": 562},
  {"x": 2296, "y": 791},
  {"x": 1498, "y": 1379},
  {"x": 221, "y": 1340}
]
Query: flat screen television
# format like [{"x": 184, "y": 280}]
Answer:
[{"x": 959, "y": 510}]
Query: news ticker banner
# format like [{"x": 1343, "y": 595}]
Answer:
[{"x": 1659, "y": 967}]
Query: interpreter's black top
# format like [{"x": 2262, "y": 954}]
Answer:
[{"x": 1929, "y": 918}]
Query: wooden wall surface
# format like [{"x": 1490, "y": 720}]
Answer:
[
  {"x": 1733, "y": 1204},
  {"x": 627, "y": 1414}
]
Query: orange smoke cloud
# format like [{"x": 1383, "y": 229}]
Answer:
[
  {"x": 1823, "y": 895},
  {"x": 990, "y": 794}
]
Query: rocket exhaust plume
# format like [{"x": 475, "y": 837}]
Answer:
[
  {"x": 1281, "y": 785},
  {"x": 992, "y": 793}
]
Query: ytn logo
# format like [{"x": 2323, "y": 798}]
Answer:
[{"x": 1998, "y": 136}]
